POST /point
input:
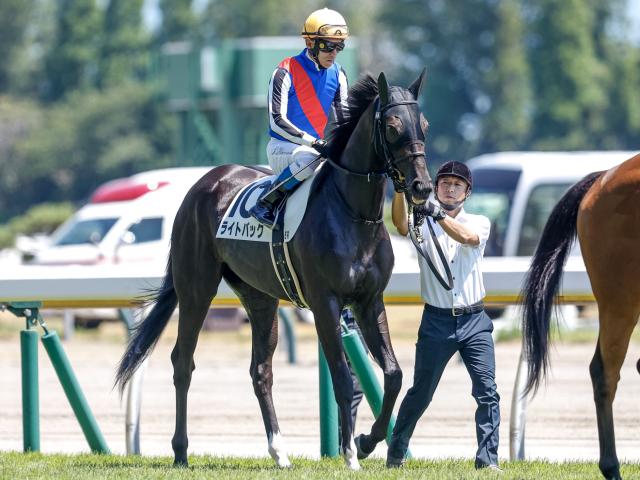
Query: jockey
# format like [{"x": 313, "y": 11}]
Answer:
[{"x": 304, "y": 90}]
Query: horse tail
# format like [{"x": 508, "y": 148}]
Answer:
[
  {"x": 542, "y": 282},
  {"x": 146, "y": 334}
]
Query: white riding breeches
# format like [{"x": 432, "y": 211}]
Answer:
[{"x": 282, "y": 154}]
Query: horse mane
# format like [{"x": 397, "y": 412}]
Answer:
[{"x": 339, "y": 130}]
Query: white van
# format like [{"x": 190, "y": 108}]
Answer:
[
  {"x": 127, "y": 220},
  {"x": 518, "y": 190}
]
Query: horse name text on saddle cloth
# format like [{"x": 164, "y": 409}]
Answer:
[{"x": 238, "y": 224}]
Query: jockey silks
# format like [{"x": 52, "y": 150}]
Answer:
[{"x": 301, "y": 97}]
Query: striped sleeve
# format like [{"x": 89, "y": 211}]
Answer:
[
  {"x": 279, "y": 88},
  {"x": 339, "y": 104}
]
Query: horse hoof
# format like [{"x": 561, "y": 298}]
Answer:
[
  {"x": 360, "y": 449},
  {"x": 352, "y": 462},
  {"x": 283, "y": 462}
]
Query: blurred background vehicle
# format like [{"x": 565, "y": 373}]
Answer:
[
  {"x": 126, "y": 220},
  {"x": 518, "y": 190}
]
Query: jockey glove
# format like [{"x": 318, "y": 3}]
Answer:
[
  {"x": 321, "y": 147},
  {"x": 435, "y": 211}
]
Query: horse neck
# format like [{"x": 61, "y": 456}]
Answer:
[{"x": 364, "y": 196}]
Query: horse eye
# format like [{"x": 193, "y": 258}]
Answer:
[
  {"x": 424, "y": 125},
  {"x": 394, "y": 129}
]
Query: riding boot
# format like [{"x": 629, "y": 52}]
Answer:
[{"x": 264, "y": 211}]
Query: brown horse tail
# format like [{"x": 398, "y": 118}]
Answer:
[
  {"x": 543, "y": 280},
  {"x": 146, "y": 333}
]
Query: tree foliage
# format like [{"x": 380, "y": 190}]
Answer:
[
  {"x": 79, "y": 143},
  {"x": 71, "y": 63},
  {"x": 14, "y": 16},
  {"x": 571, "y": 82},
  {"x": 123, "y": 51},
  {"x": 178, "y": 20}
]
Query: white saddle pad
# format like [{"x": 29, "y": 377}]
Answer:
[{"x": 238, "y": 224}]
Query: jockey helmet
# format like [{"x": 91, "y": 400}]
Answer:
[
  {"x": 325, "y": 23},
  {"x": 456, "y": 169}
]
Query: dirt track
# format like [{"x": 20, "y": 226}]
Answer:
[{"x": 225, "y": 419}]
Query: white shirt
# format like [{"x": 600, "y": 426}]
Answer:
[{"x": 465, "y": 262}]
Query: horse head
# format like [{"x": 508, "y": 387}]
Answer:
[{"x": 400, "y": 138}]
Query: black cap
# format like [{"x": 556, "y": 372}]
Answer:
[{"x": 457, "y": 169}]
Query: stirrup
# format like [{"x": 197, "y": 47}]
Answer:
[{"x": 263, "y": 214}]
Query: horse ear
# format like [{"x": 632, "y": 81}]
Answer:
[
  {"x": 383, "y": 89},
  {"x": 416, "y": 87}
]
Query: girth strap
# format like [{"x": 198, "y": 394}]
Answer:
[{"x": 282, "y": 262}]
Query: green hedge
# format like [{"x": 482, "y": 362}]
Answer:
[{"x": 42, "y": 218}]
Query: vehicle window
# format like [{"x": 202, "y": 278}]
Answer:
[
  {"x": 492, "y": 196},
  {"x": 86, "y": 231},
  {"x": 539, "y": 205},
  {"x": 147, "y": 230}
]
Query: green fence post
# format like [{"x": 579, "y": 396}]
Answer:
[
  {"x": 328, "y": 409},
  {"x": 74, "y": 394},
  {"x": 366, "y": 376},
  {"x": 30, "y": 403},
  {"x": 290, "y": 335}
]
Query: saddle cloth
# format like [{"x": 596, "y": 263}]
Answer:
[{"x": 238, "y": 224}]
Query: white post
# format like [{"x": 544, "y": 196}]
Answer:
[
  {"x": 518, "y": 413},
  {"x": 68, "y": 324},
  {"x": 134, "y": 406}
]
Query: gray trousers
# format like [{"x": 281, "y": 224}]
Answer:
[{"x": 439, "y": 338}]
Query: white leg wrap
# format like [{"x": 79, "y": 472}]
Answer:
[
  {"x": 351, "y": 456},
  {"x": 278, "y": 451}
]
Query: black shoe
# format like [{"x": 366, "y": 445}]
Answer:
[{"x": 262, "y": 212}]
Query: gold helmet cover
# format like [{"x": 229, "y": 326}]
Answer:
[{"x": 325, "y": 23}]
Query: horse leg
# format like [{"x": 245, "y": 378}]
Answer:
[
  {"x": 262, "y": 309},
  {"x": 327, "y": 316},
  {"x": 611, "y": 350},
  {"x": 372, "y": 319},
  {"x": 195, "y": 293}
]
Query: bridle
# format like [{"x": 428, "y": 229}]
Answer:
[
  {"x": 382, "y": 150},
  {"x": 381, "y": 147}
]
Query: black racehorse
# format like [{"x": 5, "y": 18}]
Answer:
[{"x": 341, "y": 253}]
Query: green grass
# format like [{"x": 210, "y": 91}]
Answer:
[{"x": 39, "y": 466}]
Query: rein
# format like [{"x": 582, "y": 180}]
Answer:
[{"x": 418, "y": 242}]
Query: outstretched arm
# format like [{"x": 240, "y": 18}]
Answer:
[{"x": 399, "y": 214}]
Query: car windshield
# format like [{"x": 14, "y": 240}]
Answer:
[
  {"x": 492, "y": 196},
  {"x": 539, "y": 205},
  {"x": 86, "y": 231}
]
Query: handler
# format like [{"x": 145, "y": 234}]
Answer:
[{"x": 452, "y": 321}]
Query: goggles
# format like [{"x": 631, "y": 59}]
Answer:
[{"x": 327, "y": 46}]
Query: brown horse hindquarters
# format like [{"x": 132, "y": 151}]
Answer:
[{"x": 609, "y": 233}]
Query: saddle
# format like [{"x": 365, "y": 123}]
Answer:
[{"x": 238, "y": 224}]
